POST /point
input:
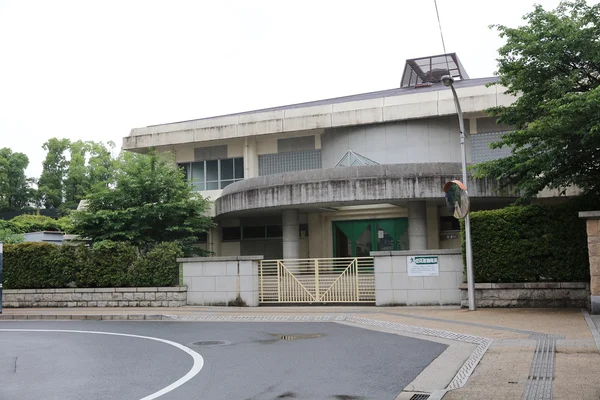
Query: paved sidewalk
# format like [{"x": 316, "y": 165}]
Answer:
[{"x": 529, "y": 345}]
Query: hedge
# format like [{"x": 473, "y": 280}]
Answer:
[
  {"x": 529, "y": 244},
  {"x": 34, "y": 265}
]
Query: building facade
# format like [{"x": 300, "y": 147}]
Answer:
[{"x": 340, "y": 177}]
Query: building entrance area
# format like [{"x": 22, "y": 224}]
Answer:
[{"x": 358, "y": 238}]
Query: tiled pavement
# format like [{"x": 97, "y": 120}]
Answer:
[{"x": 505, "y": 371}]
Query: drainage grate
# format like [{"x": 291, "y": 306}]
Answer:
[{"x": 420, "y": 396}]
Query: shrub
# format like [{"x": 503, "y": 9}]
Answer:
[
  {"x": 158, "y": 267},
  {"x": 108, "y": 265},
  {"x": 29, "y": 265},
  {"x": 529, "y": 244},
  {"x": 34, "y": 265},
  {"x": 7, "y": 236},
  {"x": 33, "y": 223}
]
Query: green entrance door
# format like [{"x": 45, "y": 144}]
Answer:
[{"x": 358, "y": 238}]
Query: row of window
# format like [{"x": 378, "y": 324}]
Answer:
[
  {"x": 214, "y": 174},
  {"x": 238, "y": 233}
]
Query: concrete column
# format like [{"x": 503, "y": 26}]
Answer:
[
  {"x": 593, "y": 236},
  {"x": 291, "y": 241},
  {"x": 214, "y": 241},
  {"x": 417, "y": 225},
  {"x": 433, "y": 229},
  {"x": 315, "y": 236},
  {"x": 250, "y": 158}
]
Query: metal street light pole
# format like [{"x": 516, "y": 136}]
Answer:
[{"x": 448, "y": 81}]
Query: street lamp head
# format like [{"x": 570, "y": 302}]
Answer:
[{"x": 447, "y": 80}]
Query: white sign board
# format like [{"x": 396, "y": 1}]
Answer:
[{"x": 422, "y": 265}]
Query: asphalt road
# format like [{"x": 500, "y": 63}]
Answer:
[{"x": 257, "y": 361}]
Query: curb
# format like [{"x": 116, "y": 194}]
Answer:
[
  {"x": 592, "y": 326},
  {"x": 83, "y": 317}
]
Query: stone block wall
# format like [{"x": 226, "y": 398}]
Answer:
[
  {"x": 393, "y": 286},
  {"x": 96, "y": 297},
  {"x": 525, "y": 295},
  {"x": 221, "y": 281},
  {"x": 593, "y": 239}
]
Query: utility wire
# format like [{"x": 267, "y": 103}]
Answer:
[{"x": 442, "y": 35}]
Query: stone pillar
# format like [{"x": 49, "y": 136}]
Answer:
[
  {"x": 291, "y": 241},
  {"x": 417, "y": 225},
  {"x": 593, "y": 238}
]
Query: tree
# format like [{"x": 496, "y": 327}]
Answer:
[
  {"x": 150, "y": 203},
  {"x": 50, "y": 184},
  {"x": 553, "y": 64},
  {"x": 15, "y": 189},
  {"x": 101, "y": 165},
  {"x": 76, "y": 183}
]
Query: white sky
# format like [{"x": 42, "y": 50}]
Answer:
[{"x": 93, "y": 70}]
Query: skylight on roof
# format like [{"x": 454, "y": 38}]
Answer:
[
  {"x": 352, "y": 159},
  {"x": 429, "y": 70}
]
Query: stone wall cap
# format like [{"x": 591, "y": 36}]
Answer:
[
  {"x": 209, "y": 259},
  {"x": 589, "y": 214},
  {"x": 431, "y": 252}
]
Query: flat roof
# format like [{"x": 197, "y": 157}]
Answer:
[{"x": 356, "y": 97}]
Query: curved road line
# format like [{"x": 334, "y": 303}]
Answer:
[{"x": 198, "y": 360}]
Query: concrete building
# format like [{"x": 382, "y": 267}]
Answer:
[{"x": 340, "y": 177}]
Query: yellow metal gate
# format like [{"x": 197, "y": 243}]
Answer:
[{"x": 322, "y": 280}]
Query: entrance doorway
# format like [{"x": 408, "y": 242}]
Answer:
[{"x": 359, "y": 237}]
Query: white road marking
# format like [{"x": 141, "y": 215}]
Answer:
[{"x": 198, "y": 360}]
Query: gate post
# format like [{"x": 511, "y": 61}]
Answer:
[
  {"x": 317, "y": 295},
  {"x": 356, "y": 279}
]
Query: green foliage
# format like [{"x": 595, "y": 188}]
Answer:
[
  {"x": 30, "y": 265},
  {"x": 529, "y": 244},
  {"x": 157, "y": 267},
  {"x": 150, "y": 203},
  {"x": 109, "y": 266},
  {"x": 34, "y": 223},
  {"x": 50, "y": 185},
  {"x": 76, "y": 183},
  {"x": 15, "y": 189},
  {"x": 7, "y": 236},
  {"x": 553, "y": 63},
  {"x": 43, "y": 265}
]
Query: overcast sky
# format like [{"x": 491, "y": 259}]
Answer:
[{"x": 93, "y": 70}]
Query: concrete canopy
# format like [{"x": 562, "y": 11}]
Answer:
[{"x": 372, "y": 184}]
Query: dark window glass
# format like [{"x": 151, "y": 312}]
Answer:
[
  {"x": 202, "y": 237},
  {"x": 449, "y": 224},
  {"x": 212, "y": 185},
  {"x": 253, "y": 232},
  {"x": 185, "y": 168},
  {"x": 198, "y": 171},
  {"x": 274, "y": 231},
  {"x": 227, "y": 169},
  {"x": 212, "y": 170},
  {"x": 231, "y": 233},
  {"x": 239, "y": 168},
  {"x": 303, "y": 230},
  {"x": 226, "y": 183}
]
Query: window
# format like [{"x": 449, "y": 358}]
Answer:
[
  {"x": 258, "y": 232},
  {"x": 253, "y": 232},
  {"x": 231, "y": 233},
  {"x": 449, "y": 224},
  {"x": 214, "y": 174}
]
